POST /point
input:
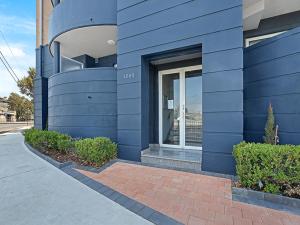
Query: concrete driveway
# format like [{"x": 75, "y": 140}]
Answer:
[{"x": 33, "y": 192}]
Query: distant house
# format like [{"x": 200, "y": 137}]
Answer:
[{"x": 5, "y": 114}]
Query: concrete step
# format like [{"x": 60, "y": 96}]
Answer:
[{"x": 173, "y": 158}]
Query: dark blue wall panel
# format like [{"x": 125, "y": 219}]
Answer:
[
  {"x": 107, "y": 61},
  {"x": 147, "y": 28},
  {"x": 40, "y": 102},
  {"x": 82, "y": 103},
  {"x": 44, "y": 69},
  {"x": 272, "y": 74}
]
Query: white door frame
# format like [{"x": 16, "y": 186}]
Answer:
[{"x": 181, "y": 72}]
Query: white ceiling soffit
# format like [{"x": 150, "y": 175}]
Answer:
[
  {"x": 257, "y": 10},
  {"x": 253, "y": 13},
  {"x": 176, "y": 58},
  {"x": 94, "y": 41}
]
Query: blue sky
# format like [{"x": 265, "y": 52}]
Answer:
[{"x": 17, "y": 22}]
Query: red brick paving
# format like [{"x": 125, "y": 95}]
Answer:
[{"x": 189, "y": 198}]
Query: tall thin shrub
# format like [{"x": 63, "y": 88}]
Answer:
[{"x": 270, "y": 129}]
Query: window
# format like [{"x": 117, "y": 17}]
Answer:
[
  {"x": 255, "y": 40},
  {"x": 68, "y": 64}
]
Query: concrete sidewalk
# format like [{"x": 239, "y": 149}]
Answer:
[{"x": 33, "y": 192}]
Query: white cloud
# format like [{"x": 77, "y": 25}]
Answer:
[
  {"x": 14, "y": 24},
  {"x": 7, "y": 84},
  {"x": 20, "y": 61},
  {"x": 15, "y": 52},
  {"x": 20, "y": 34}
]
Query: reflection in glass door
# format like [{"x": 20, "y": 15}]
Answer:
[
  {"x": 171, "y": 109},
  {"x": 180, "y": 107},
  {"x": 193, "y": 108}
]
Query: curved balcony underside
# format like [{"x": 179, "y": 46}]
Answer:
[
  {"x": 83, "y": 103},
  {"x": 84, "y": 27},
  {"x": 92, "y": 41}
]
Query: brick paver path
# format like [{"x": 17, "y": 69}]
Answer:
[{"x": 188, "y": 198}]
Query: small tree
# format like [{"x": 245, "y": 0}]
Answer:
[
  {"x": 26, "y": 83},
  {"x": 270, "y": 129},
  {"x": 22, "y": 106}
]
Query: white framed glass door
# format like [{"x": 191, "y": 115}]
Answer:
[{"x": 180, "y": 107}]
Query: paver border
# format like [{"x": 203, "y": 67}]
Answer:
[
  {"x": 273, "y": 201},
  {"x": 130, "y": 204}
]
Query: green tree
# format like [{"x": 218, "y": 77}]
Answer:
[
  {"x": 270, "y": 129},
  {"x": 21, "y": 105},
  {"x": 26, "y": 83}
]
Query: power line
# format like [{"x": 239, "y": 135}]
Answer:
[
  {"x": 8, "y": 70},
  {"x": 11, "y": 69},
  {"x": 7, "y": 44}
]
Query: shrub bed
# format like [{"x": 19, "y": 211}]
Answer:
[
  {"x": 48, "y": 140},
  {"x": 87, "y": 152},
  {"x": 269, "y": 168},
  {"x": 96, "y": 150}
]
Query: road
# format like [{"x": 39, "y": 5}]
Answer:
[
  {"x": 33, "y": 192},
  {"x": 5, "y": 127}
]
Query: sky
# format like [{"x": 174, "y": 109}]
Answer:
[{"x": 17, "y": 23}]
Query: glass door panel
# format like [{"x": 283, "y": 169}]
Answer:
[
  {"x": 193, "y": 108},
  {"x": 171, "y": 109}
]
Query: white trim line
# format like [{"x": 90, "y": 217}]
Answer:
[{"x": 262, "y": 37}]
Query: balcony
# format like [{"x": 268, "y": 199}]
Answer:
[{"x": 84, "y": 27}]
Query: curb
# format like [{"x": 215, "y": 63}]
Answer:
[
  {"x": 277, "y": 202},
  {"x": 48, "y": 159}
]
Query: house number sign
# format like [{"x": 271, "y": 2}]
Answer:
[{"x": 129, "y": 76}]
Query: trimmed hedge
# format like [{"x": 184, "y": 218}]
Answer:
[
  {"x": 97, "y": 150},
  {"x": 48, "y": 140},
  {"x": 269, "y": 168}
]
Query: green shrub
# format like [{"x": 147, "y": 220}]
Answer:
[
  {"x": 265, "y": 167},
  {"x": 34, "y": 137},
  {"x": 48, "y": 140},
  {"x": 97, "y": 150},
  {"x": 65, "y": 145}
]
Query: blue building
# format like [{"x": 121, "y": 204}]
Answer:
[{"x": 175, "y": 83}]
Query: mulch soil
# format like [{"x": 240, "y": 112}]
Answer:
[
  {"x": 291, "y": 192},
  {"x": 68, "y": 157}
]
